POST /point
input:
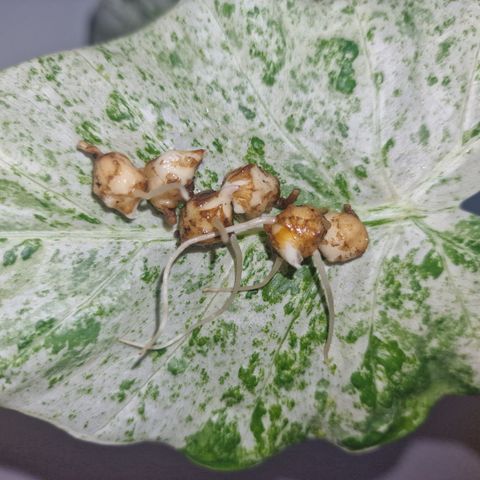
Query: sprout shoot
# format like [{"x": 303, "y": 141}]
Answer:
[
  {"x": 283, "y": 203},
  {"x": 324, "y": 282},
  {"x": 89, "y": 149}
]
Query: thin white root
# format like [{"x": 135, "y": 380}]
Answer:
[
  {"x": 322, "y": 275},
  {"x": 238, "y": 260},
  {"x": 239, "y": 228},
  {"x": 130, "y": 343},
  {"x": 168, "y": 187},
  {"x": 277, "y": 264},
  {"x": 221, "y": 230},
  {"x": 238, "y": 263}
]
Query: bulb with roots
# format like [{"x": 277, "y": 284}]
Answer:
[
  {"x": 295, "y": 234},
  {"x": 122, "y": 186},
  {"x": 204, "y": 212},
  {"x": 298, "y": 232},
  {"x": 203, "y": 221},
  {"x": 176, "y": 167},
  {"x": 257, "y": 190},
  {"x": 257, "y": 193}
]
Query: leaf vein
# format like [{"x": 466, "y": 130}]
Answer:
[
  {"x": 42, "y": 186},
  {"x": 376, "y": 105},
  {"x": 294, "y": 143}
]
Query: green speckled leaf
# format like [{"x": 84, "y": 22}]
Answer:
[{"x": 374, "y": 103}]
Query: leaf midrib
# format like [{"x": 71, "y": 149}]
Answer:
[
  {"x": 376, "y": 215},
  {"x": 144, "y": 236}
]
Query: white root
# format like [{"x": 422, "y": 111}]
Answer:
[
  {"x": 168, "y": 187},
  {"x": 238, "y": 275},
  {"x": 322, "y": 275},
  {"x": 221, "y": 229},
  {"x": 277, "y": 264},
  {"x": 238, "y": 260},
  {"x": 243, "y": 227}
]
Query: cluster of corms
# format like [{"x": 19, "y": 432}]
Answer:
[{"x": 207, "y": 218}]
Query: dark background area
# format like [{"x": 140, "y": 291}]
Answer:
[{"x": 446, "y": 447}]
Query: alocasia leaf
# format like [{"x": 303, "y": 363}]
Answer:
[{"x": 375, "y": 104}]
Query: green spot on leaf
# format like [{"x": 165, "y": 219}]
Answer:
[
  {"x": 338, "y": 55},
  {"x": 293, "y": 125},
  {"x": 348, "y": 10},
  {"x": 150, "y": 151},
  {"x": 360, "y": 171},
  {"x": 175, "y": 59},
  {"x": 149, "y": 274},
  {"x": 423, "y": 134},
  {"x": 124, "y": 387},
  {"x": 119, "y": 111},
  {"x": 83, "y": 334},
  {"x": 271, "y": 52},
  {"x": 89, "y": 219},
  {"x": 218, "y": 145},
  {"x": 232, "y": 396},
  {"x": 256, "y": 154},
  {"x": 256, "y": 423},
  {"x": 177, "y": 365},
  {"x": 378, "y": 79},
  {"x": 247, "y": 112},
  {"x": 248, "y": 374},
  {"x": 389, "y": 144},
  {"x": 89, "y": 132},
  {"x": 217, "y": 444},
  {"x": 9, "y": 257},
  {"x": 342, "y": 185},
  {"x": 41, "y": 327},
  {"x": 444, "y": 49},
  {"x": 432, "y": 265},
  {"x": 51, "y": 67},
  {"x": 472, "y": 133},
  {"x": 462, "y": 244},
  {"x": 227, "y": 9}
]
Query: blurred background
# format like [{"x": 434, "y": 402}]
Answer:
[{"x": 446, "y": 447}]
